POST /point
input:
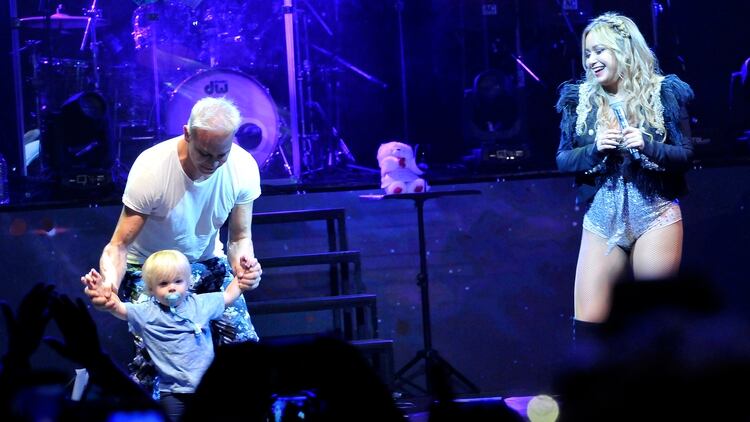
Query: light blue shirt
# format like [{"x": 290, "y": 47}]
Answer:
[{"x": 181, "y": 356}]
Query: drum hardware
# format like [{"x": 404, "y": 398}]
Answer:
[
  {"x": 93, "y": 15},
  {"x": 333, "y": 149},
  {"x": 186, "y": 49},
  {"x": 226, "y": 34},
  {"x": 260, "y": 127},
  {"x": 337, "y": 150},
  {"x": 193, "y": 46},
  {"x": 166, "y": 44},
  {"x": 319, "y": 133},
  {"x": 348, "y": 65},
  {"x": 15, "y": 58},
  {"x": 318, "y": 17},
  {"x": 63, "y": 81},
  {"x": 291, "y": 70},
  {"x": 163, "y": 37},
  {"x": 61, "y": 21},
  {"x": 35, "y": 81}
]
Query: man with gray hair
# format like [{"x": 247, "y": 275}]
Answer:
[{"x": 178, "y": 195}]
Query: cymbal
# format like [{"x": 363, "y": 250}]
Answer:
[
  {"x": 59, "y": 21},
  {"x": 169, "y": 60}
]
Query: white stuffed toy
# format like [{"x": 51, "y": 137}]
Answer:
[{"x": 398, "y": 169}]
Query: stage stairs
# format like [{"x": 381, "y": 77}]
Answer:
[{"x": 335, "y": 277}]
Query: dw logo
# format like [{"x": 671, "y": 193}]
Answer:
[{"x": 216, "y": 87}]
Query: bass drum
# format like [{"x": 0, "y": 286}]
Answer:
[{"x": 259, "y": 130}]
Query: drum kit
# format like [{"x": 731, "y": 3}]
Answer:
[{"x": 174, "y": 53}]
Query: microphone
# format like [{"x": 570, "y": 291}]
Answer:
[{"x": 616, "y": 107}]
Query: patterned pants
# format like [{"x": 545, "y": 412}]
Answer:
[{"x": 212, "y": 275}]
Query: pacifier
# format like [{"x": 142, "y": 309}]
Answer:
[{"x": 172, "y": 299}]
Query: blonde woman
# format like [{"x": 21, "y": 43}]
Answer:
[{"x": 626, "y": 136}]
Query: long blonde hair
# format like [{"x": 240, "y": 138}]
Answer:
[{"x": 638, "y": 68}]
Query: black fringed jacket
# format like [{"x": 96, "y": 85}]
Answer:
[{"x": 578, "y": 154}]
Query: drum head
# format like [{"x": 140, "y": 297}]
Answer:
[{"x": 259, "y": 131}]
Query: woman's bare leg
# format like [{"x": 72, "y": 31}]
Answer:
[
  {"x": 657, "y": 254},
  {"x": 596, "y": 275}
]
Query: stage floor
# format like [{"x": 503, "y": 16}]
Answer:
[{"x": 417, "y": 410}]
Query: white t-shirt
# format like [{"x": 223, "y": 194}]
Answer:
[{"x": 184, "y": 214}]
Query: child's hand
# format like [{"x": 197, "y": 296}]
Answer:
[
  {"x": 97, "y": 289},
  {"x": 248, "y": 277},
  {"x": 111, "y": 303},
  {"x": 93, "y": 280}
]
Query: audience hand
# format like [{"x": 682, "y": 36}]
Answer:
[
  {"x": 25, "y": 329},
  {"x": 80, "y": 337},
  {"x": 81, "y": 345}
]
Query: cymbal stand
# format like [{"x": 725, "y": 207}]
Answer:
[
  {"x": 295, "y": 88},
  {"x": 42, "y": 80},
  {"x": 38, "y": 83},
  {"x": 93, "y": 15},
  {"x": 18, "y": 97},
  {"x": 308, "y": 131},
  {"x": 317, "y": 125},
  {"x": 289, "y": 38}
]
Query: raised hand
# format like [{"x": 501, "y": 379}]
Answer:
[
  {"x": 81, "y": 345},
  {"x": 93, "y": 280},
  {"x": 25, "y": 329},
  {"x": 97, "y": 289},
  {"x": 80, "y": 337}
]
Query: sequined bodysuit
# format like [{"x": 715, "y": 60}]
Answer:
[{"x": 621, "y": 214}]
